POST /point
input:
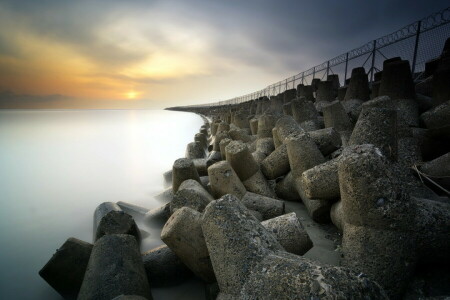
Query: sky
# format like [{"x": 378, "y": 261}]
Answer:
[{"x": 155, "y": 54}]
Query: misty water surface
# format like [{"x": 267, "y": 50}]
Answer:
[{"x": 57, "y": 166}]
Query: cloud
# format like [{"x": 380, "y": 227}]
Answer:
[{"x": 149, "y": 45}]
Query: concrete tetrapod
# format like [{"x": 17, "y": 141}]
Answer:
[
  {"x": 247, "y": 169},
  {"x": 265, "y": 125},
  {"x": 358, "y": 87},
  {"x": 276, "y": 164},
  {"x": 268, "y": 207},
  {"x": 183, "y": 234},
  {"x": 194, "y": 150},
  {"x": 224, "y": 180},
  {"x": 65, "y": 270},
  {"x": 115, "y": 268},
  {"x": 250, "y": 264},
  {"x": 290, "y": 233},
  {"x": 117, "y": 222},
  {"x": 378, "y": 215},
  {"x": 377, "y": 126},
  {"x": 164, "y": 268},
  {"x": 182, "y": 170},
  {"x": 190, "y": 194}
]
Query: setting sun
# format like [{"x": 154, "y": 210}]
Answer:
[{"x": 131, "y": 95}]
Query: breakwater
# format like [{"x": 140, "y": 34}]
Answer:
[{"x": 269, "y": 185}]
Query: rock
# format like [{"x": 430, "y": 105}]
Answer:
[
  {"x": 65, "y": 270},
  {"x": 183, "y": 234},
  {"x": 290, "y": 233},
  {"x": 115, "y": 268},
  {"x": 164, "y": 268}
]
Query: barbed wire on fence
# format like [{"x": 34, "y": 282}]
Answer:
[{"x": 378, "y": 46}]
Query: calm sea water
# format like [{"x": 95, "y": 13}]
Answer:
[{"x": 57, "y": 166}]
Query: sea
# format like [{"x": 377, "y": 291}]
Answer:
[{"x": 57, "y": 166}]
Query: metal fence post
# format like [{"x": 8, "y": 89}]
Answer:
[
  {"x": 372, "y": 68},
  {"x": 328, "y": 69},
  {"x": 286, "y": 86},
  {"x": 416, "y": 46},
  {"x": 346, "y": 65},
  {"x": 303, "y": 76},
  {"x": 314, "y": 72}
]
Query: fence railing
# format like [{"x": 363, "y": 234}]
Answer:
[{"x": 417, "y": 42}]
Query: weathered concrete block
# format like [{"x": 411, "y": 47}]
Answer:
[
  {"x": 183, "y": 234},
  {"x": 164, "y": 268},
  {"x": 129, "y": 297},
  {"x": 102, "y": 210},
  {"x": 201, "y": 165},
  {"x": 223, "y": 143},
  {"x": 286, "y": 189},
  {"x": 409, "y": 152},
  {"x": 167, "y": 178},
  {"x": 377, "y": 126},
  {"x": 236, "y": 242},
  {"x": 397, "y": 81},
  {"x": 335, "y": 116},
  {"x": 115, "y": 268},
  {"x": 219, "y": 137},
  {"x": 287, "y": 126},
  {"x": 322, "y": 181},
  {"x": 224, "y": 180},
  {"x": 268, "y": 207},
  {"x": 303, "y": 111},
  {"x": 65, "y": 270},
  {"x": 358, "y": 87},
  {"x": 117, "y": 222},
  {"x": 325, "y": 91},
  {"x": 165, "y": 196},
  {"x": 265, "y": 146},
  {"x": 276, "y": 139},
  {"x": 240, "y": 135},
  {"x": 337, "y": 215},
  {"x": 371, "y": 191},
  {"x": 194, "y": 150},
  {"x": 182, "y": 170},
  {"x": 241, "y": 120},
  {"x": 254, "y": 126},
  {"x": 287, "y": 109},
  {"x": 265, "y": 125},
  {"x": 190, "y": 194},
  {"x": 432, "y": 230},
  {"x": 158, "y": 215},
  {"x": 318, "y": 209},
  {"x": 303, "y": 154},
  {"x": 240, "y": 159},
  {"x": 353, "y": 108},
  {"x": 281, "y": 275},
  {"x": 276, "y": 164},
  {"x": 327, "y": 140},
  {"x": 438, "y": 116},
  {"x": 290, "y": 233},
  {"x": 305, "y": 91},
  {"x": 213, "y": 157}
]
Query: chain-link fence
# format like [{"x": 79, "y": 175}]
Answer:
[{"x": 417, "y": 42}]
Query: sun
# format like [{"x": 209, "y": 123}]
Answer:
[{"x": 131, "y": 94}]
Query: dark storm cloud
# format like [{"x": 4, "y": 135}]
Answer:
[{"x": 284, "y": 35}]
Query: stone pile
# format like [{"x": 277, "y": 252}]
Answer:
[{"x": 370, "y": 160}]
